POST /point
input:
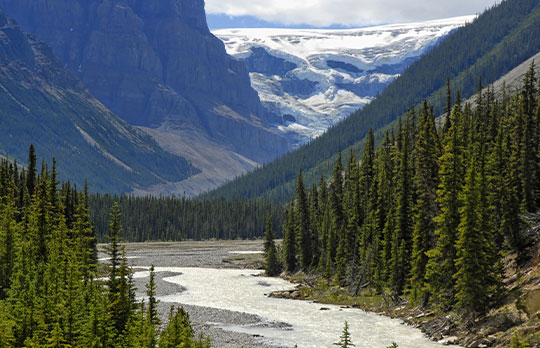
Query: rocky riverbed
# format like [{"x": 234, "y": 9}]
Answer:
[{"x": 218, "y": 254}]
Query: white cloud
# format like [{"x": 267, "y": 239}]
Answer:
[{"x": 346, "y": 12}]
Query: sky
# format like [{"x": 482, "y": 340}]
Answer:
[{"x": 333, "y": 13}]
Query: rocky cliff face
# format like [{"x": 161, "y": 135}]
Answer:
[
  {"x": 44, "y": 104},
  {"x": 154, "y": 62}
]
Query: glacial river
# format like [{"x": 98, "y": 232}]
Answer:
[{"x": 310, "y": 327}]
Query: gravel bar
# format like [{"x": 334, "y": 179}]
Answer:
[{"x": 212, "y": 254}]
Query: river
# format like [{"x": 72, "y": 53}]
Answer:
[{"x": 288, "y": 322}]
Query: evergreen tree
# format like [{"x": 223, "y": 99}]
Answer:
[
  {"x": 401, "y": 239},
  {"x": 345, "y": 338},
  {"x": 272, "y": 266},
  {"x": 448, "y": 108},
  {"x": 426, "y": 209},
  {"x": 152, "y": 311},
  {"x": 31, "y": 176},
  {"x": 474, "y": 271},
  {"x": 315, "y": 214},
  {"x": 289, "y": 240},
  {"x": 179, "y": 333},
  {"x": 441, "y": 264},
  {"x": 303, "y": 228}
]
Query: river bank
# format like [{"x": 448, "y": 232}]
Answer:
[
  {"x": 518, "y": 311},
  {"x": 175, "y": 262},
  {"x": 211, "y": 254}
]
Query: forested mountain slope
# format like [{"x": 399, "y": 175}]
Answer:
[
  {"x": 497, "y": 41},
  {"x": 42, "y": 103}
]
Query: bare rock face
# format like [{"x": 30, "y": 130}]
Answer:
[
  {"x": 155, "y": 61},
  {"x": 44, "y": 104}
]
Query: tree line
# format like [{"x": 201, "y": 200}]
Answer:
[
  {"x": 53, "y": 292},
  {"x": 176, "y": 219},
  {"x": 428, "y": 215},
  {"x": 498, "y": 40}
]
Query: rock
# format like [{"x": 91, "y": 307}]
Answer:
[
  {"x": 46, "y": 105},
  {"x": 449, "y": 340},
  {"x": 531, "y": 301},
  {"x": 155, "y": 61},
  {"x": 483, "y": 343},
  {"x": 324, "y": 309}
]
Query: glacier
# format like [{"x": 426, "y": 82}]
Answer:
[{"x": 313, "y": 78}]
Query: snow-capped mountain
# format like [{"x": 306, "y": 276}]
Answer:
[{"x": 314, "y": 77}]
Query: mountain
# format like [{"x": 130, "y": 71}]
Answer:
[
  {"x": 43, "y": 104},
  {"x": 314, "y": 78},
  {"x": 155, "y": 64},
  {"x": 497, "y": 41}
]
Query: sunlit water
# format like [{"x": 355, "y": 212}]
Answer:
[{"x": 242, "y": 291}]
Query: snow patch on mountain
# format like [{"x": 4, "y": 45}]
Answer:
[{"x": 313, "y": 78}]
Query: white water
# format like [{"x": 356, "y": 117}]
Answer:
[{"x": 240, "y": 290}]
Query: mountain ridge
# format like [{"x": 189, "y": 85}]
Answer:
[
  {"x": 155, "y": 62},
  {"x": 466, "y": 54},
  {"x": 45, "y": 105}
]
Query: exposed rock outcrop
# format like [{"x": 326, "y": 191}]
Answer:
[
  {"x": 155, "y": 61},
  {"x": 44, "y": 104}
]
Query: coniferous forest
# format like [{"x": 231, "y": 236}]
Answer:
[
  {"x": 177, "y": 219},
  {"x": 429, "y": 215},
  {"x": 53, "y": 293},
  {"x": 501, "y": 38}
]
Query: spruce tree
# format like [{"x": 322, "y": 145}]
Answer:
[
  {"x": 303, "y": 228},
  {"x": 272, "y": 266},
  {"x": 474, "y": 272},
  {"x": 289, "y": 240},
  {"x": 367, "y": 199},
  {"x": 31, "y": 176},
  {"x": 315, "y": 214},
  {"x": 448, "y": 107},
  {"x": 152, "y": 311},
  {"x": 345, "y": 338},
  {"x": 401, "y": 239},
  {"x": 441, "y": 264},
  {"x": 426, "y": 181}
]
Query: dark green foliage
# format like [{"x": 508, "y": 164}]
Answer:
[
  {"x": 452, "y": 171},
  {"x": 289, "y": 240},
  {"x": 402, "y": 235},
  {"x": 151, "y": 311},
  {"x": 179, "y": 333},
  {"x": 345, "y": 338},
  {"x": 51, "y": 293},
  {"x": 272, "y": 265},
  {"x": 303, "y": 224},
  {"x": 31, "y": 175},
  {"x": 470, "y": 291},
  {"x": 430, "y": 211},
  {"x": 177, "y": 219},
  {"x": 426, "y": 209},
  {"x": 493, "y": 44}
]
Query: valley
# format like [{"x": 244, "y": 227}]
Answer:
[
  {"x": 200, "y": 276},
  {"x": 315, "y": 78},
  {"x": 324, "y": 178}
]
